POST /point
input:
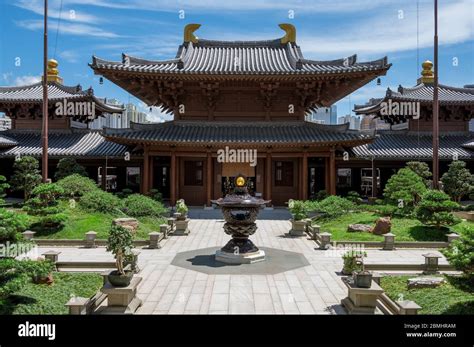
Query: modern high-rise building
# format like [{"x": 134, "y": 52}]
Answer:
[
  {"x": 5, "y": 122},
  {"x": 324, "y": 115},
  {"x": 131, "y": 113},
  {"x": 354, "y": 121}
]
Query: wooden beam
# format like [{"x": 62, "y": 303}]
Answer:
[{"x": 332, "y": 171}]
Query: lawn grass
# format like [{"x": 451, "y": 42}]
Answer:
[
  {"x": 405, "y": 229},
  {"x": 50, "y": 299},
  {"x": 454, "y": 297},
  {"x": 79, "y": 222}
]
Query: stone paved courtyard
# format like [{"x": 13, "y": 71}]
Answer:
[{"x": 170, "y": 289}]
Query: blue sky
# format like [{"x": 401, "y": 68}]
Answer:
[{"x": 326, "y": 29}]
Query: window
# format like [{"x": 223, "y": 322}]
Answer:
[
  {"x": 193, "y": 173},
  {"x": 133, "y": 177},
  {"x": 344, "y": 178},
  {"x": 284, "y": 173}
]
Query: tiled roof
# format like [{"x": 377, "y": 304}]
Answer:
[
  {"x": 422, "y": 93},
  {"x": 239, "y": 57},
  {"x": 80, "y": 143},
  {"x": 6, "y": 141},
  {"x": 183, "y": 132},
  {"x": 411, "y": 146},
  {"x": 56, "y": 92}
]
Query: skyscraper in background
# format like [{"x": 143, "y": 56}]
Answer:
[{"x": 324, "y": 115}]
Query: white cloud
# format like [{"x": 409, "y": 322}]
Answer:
[
  {"x": 6, "y": 76},
  {"x": 72, "y": 29},
  {"x": 69, "y": 56},
  {"x": 55, "y": 11},
  {"x": 155, "y": 115},
  {"x": 387, "y": 33},
  {"x": 26, "y": 80}
]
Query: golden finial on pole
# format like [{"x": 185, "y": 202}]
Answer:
[{"x": 427, "y": 75}]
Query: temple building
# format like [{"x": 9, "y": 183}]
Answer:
[
  {"x": 70, "y": 109},
  {"x": 239, "y": 95},
  {"x": 413, "y": 108}
]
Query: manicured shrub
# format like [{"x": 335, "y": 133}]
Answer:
[
  {"x": 124, "y": 193},
  {"x": 137, "y": 205},
  {"x": 156, "y": 195},
  {"x": 67, "y": 167},
  {"x": 354, "y": 197},
  {"x": 421, "y": 169},
  {"x": 298, "y": 209},
  {"x": 460, "y": 253},
  {"x": 75, "y": 186},
  {"x": 3, "y": 186},
  {"x": 458, "y": 181},
  {"x": 26, "y": 175},
  {"x": 44, "y": 203},
  {"x": 321, "y": 195},
  {"x": 435, "y": 209},
  {"x": 353, "y": 261},
  {"x": 11, "y": 223},
  {"x": 334, "y": 206},
  {"x": 100, "y": 201},
  {"x": 404, "y": 188},
  {"x": 181, "y": 207}
]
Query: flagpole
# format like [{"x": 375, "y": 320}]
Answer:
[
  {"x": 44, "y": 132},
  {"x": 435, "y": 103}
]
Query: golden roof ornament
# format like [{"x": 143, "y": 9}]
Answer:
[
  {"x": 290, "y": 31},
  {"x": 189, "y": 33},
  {"x": 427, "y": 75},
  {"x": 53, "y": 73}
]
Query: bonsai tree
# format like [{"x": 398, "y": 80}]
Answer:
[
  {"x": 298, "y": 209},
  {"x": 26, "y": 175},
  {"x": 334, "y": 206},
  {"x": 69, "y": 166},
  {"x": 181, "y": 207},
  {"x": 435, "y": 209},
  {"x": 44, "y": 203},
  {"x": 353, "y": 261},
  {"x": 405, "y": 185},
  {"x": 461, "y": 253},
  {"x": 421, "y": 169},
  {"x": 458, "y": 181},
  {"x": 120, "y": 243},
  {"x": 3, "y": 186},
  {"x": 354, "y": 197}
]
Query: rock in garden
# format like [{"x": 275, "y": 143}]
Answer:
[
  {"x": 357, "y": 228},
  {"x": 425, "y": 282},
  {"x": 383, "y": 225},
  {"x": 128, "y": 223}
]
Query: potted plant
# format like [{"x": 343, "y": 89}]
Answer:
[
  {"x": 120, "y": 243},
  {"x": 182, "y": 219},
  {"x": 182, "y": 209},
  {"x": 362, "y": 278},
  {"x": 298, "y": 210},
  {"x": 352, "y": 261}
]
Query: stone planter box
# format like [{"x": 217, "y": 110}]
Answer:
[
  {"x": 181, "y": 227},
  {"x": 298, "y": 227}
]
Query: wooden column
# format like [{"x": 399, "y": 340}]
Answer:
[
  {"x": 151, "y": 177},
  {"x": 268, "y": 176},
  {"x": 305, "y": 175},
  {"x": 374, "y": 179},
  {"x": 173, "y": 179},
  {"x": 146, "y": 171},
  {"x": 209, "y": 179},
  {"x": 332, "y": 171},
  {"x": 326, "y": 175}
]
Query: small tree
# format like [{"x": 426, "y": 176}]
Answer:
[
  {"x": 435, "y": 209},
  {"x": 44, "y": 203},
  {"x": 120, "y": 243},
  {"x": 69, "y": 166},
  {"x": 458, "y": 181},
  {"x": 298, "y": 209},
  {"x": 461, "y": 253},
  {"x": 421, "y": 169},
  {"x": 405, "y": 185},
  {"x": 26, "y": 175},
  {"x": 75, "y": 185},
  {"x": 3, "y": 186}
]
